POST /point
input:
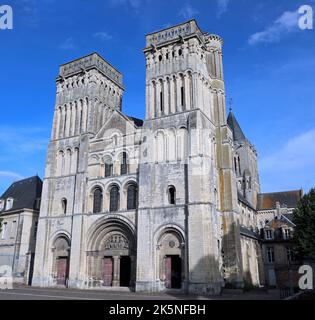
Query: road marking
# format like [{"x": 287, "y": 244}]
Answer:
[
  {"x": 105, "y": 293},
  {"x": 44, "y": 295}
]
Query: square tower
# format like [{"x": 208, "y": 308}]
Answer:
[{"x": 185, "y": 176}]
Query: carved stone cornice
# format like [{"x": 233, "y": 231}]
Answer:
[
  {"x": 92, "y": 61},
  {"x": 177, "y": 33}
]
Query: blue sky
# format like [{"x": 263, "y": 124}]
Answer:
[{"x": 269, "y": 68}]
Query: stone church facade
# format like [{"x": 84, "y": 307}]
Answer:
[{"x": 164, "y": 203}]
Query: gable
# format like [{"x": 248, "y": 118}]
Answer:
[{"x": 116, "y": 124}]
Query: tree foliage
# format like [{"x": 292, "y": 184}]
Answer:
[{"x": 304, "y": 219}]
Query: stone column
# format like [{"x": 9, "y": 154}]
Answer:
[
  {"x": 154, "y": 100},
  {"x": 221, "y": 65},
  {"x": 74, "y": 161},
  {"x": 133, "y": 271},
  {"x": 179, "y": 107},
  {"x": 209, "y": 102},
  {"x": 80, "y": 122},
  {"x": 196, "y": 103},
  {"x": 91, "y": 108},
  {"x": 73, "y": 118},
  {"x": 57, "y": 123},
  {"x": 187, "y": 91},
  {"x": 201, "y": 91},
  {"x": 165, "y": 97},
  {"x": 99, "y": 117},
  {"x": 68, "y": 111},
  {"x": 116, "y": 275},
  {"x": 152, "y": 107},
  {"x": 172, "y": 95},
  {"x": 84, "y": 115},
  {"x": 63, "y": 122},
  {"x": 204, "y": 98},
  {"x": 148, "y": 101},
  {"x": 217, "y": 64},
  {"x": 221, "y": 96},
  {"x": 98, "y": 261},
  {"x": 163, "y": 269}
]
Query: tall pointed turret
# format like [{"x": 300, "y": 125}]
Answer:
[
  {"x": 238, "y": 133},
  {"x": 245, "y": 162}
]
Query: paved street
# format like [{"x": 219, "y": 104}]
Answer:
[{"x": 31, "y": 293}]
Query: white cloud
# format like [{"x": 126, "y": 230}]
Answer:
[
  {"x": 188, "y": 12},
  {"x": 292, "y": 165},
  {"x": 102, "y": 35},
  {"x": 285, "y": 24},
  {"x": 22, "y": 151},
  {"x": 222, "y": 7},
  {"x": 7, "y": 178},
  {"x": 31, "y": 10},
  {"x": 23, "y": 141},
  {"x": 11, "y": 175},
  {"x": 68, "y": 44}
]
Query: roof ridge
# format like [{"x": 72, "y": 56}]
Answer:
[{"x": 264, "y": 193}]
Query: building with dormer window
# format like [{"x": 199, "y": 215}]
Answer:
[{"x": 19, "y": 212}]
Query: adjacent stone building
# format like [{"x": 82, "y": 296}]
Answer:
[
  {"x": 19, "y": 211},
  {"x": 164, "y": 203},
  {"x": 274, "y": 218}
]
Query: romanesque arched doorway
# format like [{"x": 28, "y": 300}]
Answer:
[
  {"x": 171, "y": 259},
  {"x": 112, "y": 259},
  {"x": 61, "y": 260}
]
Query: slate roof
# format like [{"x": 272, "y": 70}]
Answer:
[
  {"x": 267, "y": 201},
  {"x": 242, "y": 199},
  {"x": 249, "y": 233},
  {"x": 25, "y": 193},
  {"x": 137, "y": 122},
  {"x": 238, "y": 133}
]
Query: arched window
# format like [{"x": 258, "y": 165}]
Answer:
[
  {"x": 124, "y": 164},
  {"x": 64, "y": 204},
  {"x": 76, "y": 160},
  {"x": 97, "y": 200},
  {"x": 161, "y": 101},
  {"x": 115, "y": 140},
  {"x": 172, "y": 195},
  {"x": 182, "y": 95},
  {"x": 109, "y": 168},
  {"x": 239, "y": 165},
  {"x": 114, "y": 199},
  {"x": 132, "y": 197},
  {"x": 160, "y": 147},
  {"x": 60, "y": 163},
  {"x": 235, "y": 165}
]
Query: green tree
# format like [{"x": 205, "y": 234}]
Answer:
[{"x": 304, "y": 219}]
